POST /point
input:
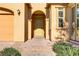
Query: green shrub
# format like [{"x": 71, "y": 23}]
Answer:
[
  {"x": 10, "y": 52},
  {"x": 65, "y": 49}
]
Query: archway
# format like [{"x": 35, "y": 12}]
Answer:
[{"x": 38, "y": 24}]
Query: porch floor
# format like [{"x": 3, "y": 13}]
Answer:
[{"x": 33, "y": 47}]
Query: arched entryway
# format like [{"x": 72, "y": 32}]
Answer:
[{"x": 38, "y": 24}]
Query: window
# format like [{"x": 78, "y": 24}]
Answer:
[
  {"x": 60, "y": 22},
  {"x": 77, "y": 12},
  {"x": 78, "y": 17},
  {"x": 60, "y": 16},
  {"x": 60, "y": 13},
  {"x": 77, "y": 22}
]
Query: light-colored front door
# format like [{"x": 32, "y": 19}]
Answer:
[{"x": 38, "y": 26}]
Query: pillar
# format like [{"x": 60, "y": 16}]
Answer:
[
  {"x": 52, "y": 22},
  {"x": 29, "y": 29},
  {"x": 47, "y": 28}
]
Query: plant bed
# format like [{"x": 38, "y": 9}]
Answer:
[
  {"x": 65, "y": 49},
  {"x": 10, "y": 52}
]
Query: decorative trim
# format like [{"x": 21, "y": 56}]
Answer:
[{"x": 7, "y": 10}]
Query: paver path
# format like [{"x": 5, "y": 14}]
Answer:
[{"x": 35, "y": 47}]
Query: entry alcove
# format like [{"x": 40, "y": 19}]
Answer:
[{"x": 38, "y": 24}]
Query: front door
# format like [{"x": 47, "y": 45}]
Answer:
[{"x": 38, "y": 26}]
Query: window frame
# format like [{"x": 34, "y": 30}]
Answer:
[
  {"x": 58, "y": 17},
  {"x": 77, "y": 16}
]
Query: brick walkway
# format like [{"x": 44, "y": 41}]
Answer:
[{"x": 33, "y": 47}]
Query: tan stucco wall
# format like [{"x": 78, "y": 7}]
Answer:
[
  {"x": 19, "y": 23},
  {"x": 69, "y": 18},
  {"x": 40, "y": 5},
  {"x": 22, "y": 24},
  {"x": 53, "y": 17}
]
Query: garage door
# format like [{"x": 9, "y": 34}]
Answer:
[{"x": 6, "y": 26}]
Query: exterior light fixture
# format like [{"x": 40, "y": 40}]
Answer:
[{"x": 18, "y": 11}]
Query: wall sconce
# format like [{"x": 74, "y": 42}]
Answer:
[{"x": 18, "y": 11}]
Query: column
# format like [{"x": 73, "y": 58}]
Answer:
[
  {"x": 29, "y": 23},
  {"x": 52, "y": 22},
  {"x": 47, "y": 28},
  {"x": 29, "y": 29}
]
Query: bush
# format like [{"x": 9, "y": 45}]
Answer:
[
  {"x": 65, "y": 49},
  {"x": 10, "y": 52}
]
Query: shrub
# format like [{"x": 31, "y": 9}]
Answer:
[
  {"x": 65, "y": 49},
  {"x": 10, "y": 52}
]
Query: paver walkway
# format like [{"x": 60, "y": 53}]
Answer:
[{"x": 35, "y": 47}]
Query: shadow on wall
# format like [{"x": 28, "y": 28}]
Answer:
[{"x": 27, "y": 17}]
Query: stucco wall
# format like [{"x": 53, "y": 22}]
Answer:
[
  {"x": 69, "y": 18},
  {"x": 19, "y": 23},
  {"x": 38, "y": 6},
  {"x": 22, "y": 23},
  {"x": 57, "y": 33}
]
